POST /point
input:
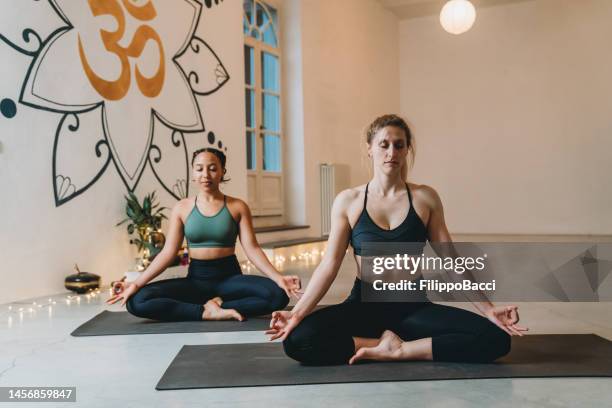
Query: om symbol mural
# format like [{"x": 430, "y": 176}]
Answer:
[
  {"x": 117, "y": 89},
  {"x": 125, "y": 76}
]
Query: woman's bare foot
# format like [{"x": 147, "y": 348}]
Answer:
[
  {"x": 389, "y": 348},
  {"x": 213, "y": 311}
]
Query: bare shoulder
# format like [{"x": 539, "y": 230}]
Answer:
[
  {"x": 349, "y": 202},
  {"x": 185, "y": 202},
  {"x": 237, "y": 205},
  {"x": 350, "y": 195},
  {"x": 425, "y": 194},
  {"x": 183, "y": 207}
]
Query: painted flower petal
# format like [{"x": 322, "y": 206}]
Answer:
[
  {"x": 204, "y": 69},
  {"x": 66, "y": 9},
  {"x": 26, "y": 24},
  {"x": 176, "y": 37},
  {"x": 169, "y": 149},
  {"x": 129, "y": 130},
  {"x": 75, "y": 173},
  {"x": 177, "y": 106},
  {"x": 58, "y": 83}
]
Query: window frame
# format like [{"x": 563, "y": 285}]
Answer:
[{"x": 258, "y": 206}]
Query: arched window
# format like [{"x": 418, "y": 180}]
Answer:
[{"x": 263, "y": 107}]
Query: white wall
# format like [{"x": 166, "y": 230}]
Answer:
[
  {"x": 513, "y": 119},
  {"x": 349, "y": 72},
  {"x": 291, "y": 20},
  {"x": 40, "y": 242}
]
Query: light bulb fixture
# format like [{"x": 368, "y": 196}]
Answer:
[{"x": 457, "y": 16}]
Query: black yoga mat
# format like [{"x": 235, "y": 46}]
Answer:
[
  {"x": 265, "y": 364},
  {"x": 120, "y": 323}
]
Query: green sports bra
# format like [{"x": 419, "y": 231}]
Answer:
[{"x": 217, "y": 231}]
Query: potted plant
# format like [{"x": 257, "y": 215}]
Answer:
[{"x": 146, "y": 221}]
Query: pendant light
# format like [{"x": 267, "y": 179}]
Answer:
[{"x": 457, "y": 16}]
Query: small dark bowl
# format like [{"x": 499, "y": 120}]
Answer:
[{"x": 82, "y": 282}]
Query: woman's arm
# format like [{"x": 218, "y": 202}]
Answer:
[
  {"x": 250, "y": 245},
  {"x": 174, "y": 239},
  {"x": 283, "y": 322},
  {"x": 438, "y": 232},
  {"x": 505, "y": 317},
  {"x": 289, "y": 283},
  {"x": 327, "y": 270}
]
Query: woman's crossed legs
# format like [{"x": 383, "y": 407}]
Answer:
[
  {"x": 184, "y": 298},
  {"x": 395, "y": 331}
]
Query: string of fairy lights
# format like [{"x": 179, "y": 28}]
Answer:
[
  {"x": 18, "y": 312},
  {"x": 308, "y": 255}
]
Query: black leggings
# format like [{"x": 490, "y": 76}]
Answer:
[
  {"x": 184, "y": 298},
  {"x": 325, "y": 337}
]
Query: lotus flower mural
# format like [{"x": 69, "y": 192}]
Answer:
[{"x": 124, "y": 76}]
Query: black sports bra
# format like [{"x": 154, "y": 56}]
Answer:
[{"x": 412, "y": 229}]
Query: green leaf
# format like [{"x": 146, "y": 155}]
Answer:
[
  {"x": 122, "y": 222},
  {"x": 138, "y": 242},
  {"x": 146, "y": 207},
  {"x": 149, "y": 214},
  {"x": 137, "y": 211}
]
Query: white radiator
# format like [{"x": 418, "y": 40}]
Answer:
[{"x": 334, "y": 178}]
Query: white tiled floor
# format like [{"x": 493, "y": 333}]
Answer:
[{"x": 121, "y": 371}]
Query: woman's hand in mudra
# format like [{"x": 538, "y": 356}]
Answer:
[
  {"x": 506, "y": 318},
  {"x": 281, "y": 324},
  {"x": 291, "y": 284},
  {"x": 122, "y": 291}
]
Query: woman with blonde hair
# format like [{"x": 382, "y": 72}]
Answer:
[{"x": 388, "y": 210}]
